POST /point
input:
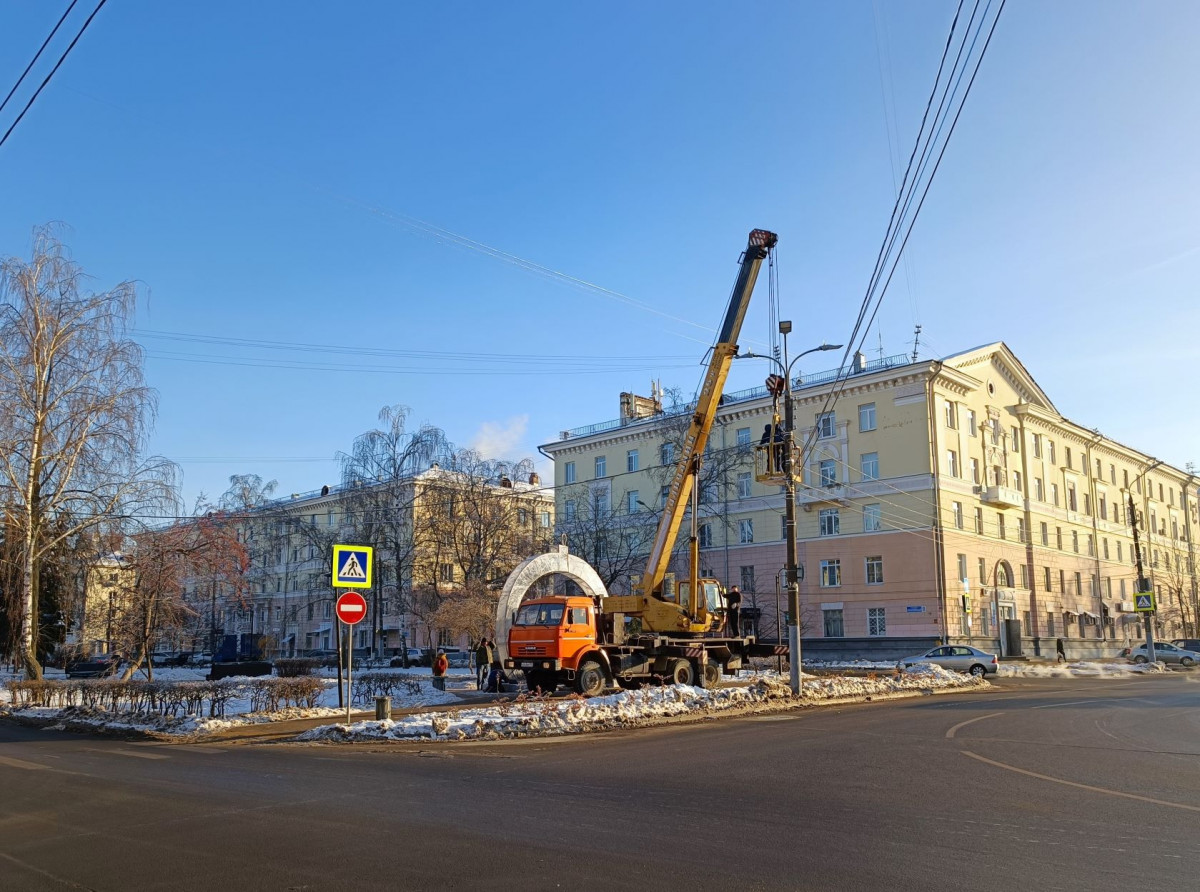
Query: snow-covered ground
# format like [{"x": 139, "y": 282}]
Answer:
[
  {"x": 237, "y": 710},
  {"x": 650, "y": 705}
]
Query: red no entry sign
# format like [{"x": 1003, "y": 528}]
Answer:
[{"x": 351, "y": 608}]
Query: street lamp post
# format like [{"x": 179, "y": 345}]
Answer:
[
  {"x": 1143, "y": 584},
  {"x": 789, "y": 467}
]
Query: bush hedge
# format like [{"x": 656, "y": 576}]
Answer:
[
  {"x": 369, "y": 685},
  {"x": 167, "y": 698}
]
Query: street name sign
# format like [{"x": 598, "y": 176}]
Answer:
[
  {"x": 352, "y": 566},
  {"x": 1143, "y": 602},
  {"x": 351, "y": 608}
]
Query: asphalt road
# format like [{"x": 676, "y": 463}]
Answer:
[{"x": 1047, "y": 784}]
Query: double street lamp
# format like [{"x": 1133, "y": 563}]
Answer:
[
  {"x": 1143, "y": 584},
  {"x": 789, "y": 472}
]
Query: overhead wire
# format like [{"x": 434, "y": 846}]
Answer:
[
  {"x": 46, "y": 80},
  {"x": 37, "y": 55}
]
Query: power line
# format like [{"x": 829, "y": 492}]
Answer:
[
  {"x": 37, "y": 55},
  {"x": 57, "y": 64}
]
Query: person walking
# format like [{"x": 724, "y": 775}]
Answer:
[
  {"x": 733, "y": 611},
  {"x": 483, "y": 662},
  {"x": 440, "y": 664},
  {"x": 1060, "y": 650}
]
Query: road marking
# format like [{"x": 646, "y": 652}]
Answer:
[
  {"x": 1072, "y": 703},
  {"x": 134, "y": 753},
  {"x": 1067, "y": 783},
  {"x": 44, "y": 873},
  {"x": 775, "y": 718},
  {"x": 21, "y": 763},
  {"x": 950, "y": 734}
]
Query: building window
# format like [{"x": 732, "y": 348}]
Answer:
[
  {"x": 830, "y": 523},
  {"x": 972, "y": 428},
  {"x": 747, "y": 574},
  {"x": 1038, "y": 492},
  {"x": 783, "y": 527},
  {"x": 1112, "y": 474},
  {"x": 632, "y": 505},
  {"x": 522, "y": 516},
  {"x": 631, "y": 460},
  {"x": 828, "y": 472},
  {"x": 1024, "y": 575},
  {"x": 951, "y": 415},
  {"x": 1119, "y": 550},
  {"x": 602, "y": 505},
  {"x": 872, "y": 519},
  {"x": 826, "y": 425},
  {"x": 704, "y": 534},
  {"x": 1018, "y": 481},
  {"x": 666, "y": 453},
  {"x": 544, "y": 520},
  {"x": 1054, "y": 494},
  {"x": 1045, "y": 534},
  {"x": 1047, "y": 579},
  {"x": 1000, "y": 525},
  {"x": 569, "y": 510},
  {"x": 831, "y": 573},
  {"x": 446, "y": 573},
  {"x": 979, "y": 521},
  {"x": 1020, "y": 529},
  {"x": 1050, "y": 451},
  {"x": 962, "y": 570},
  {"x": 874, "y": 569},
  {"x": 329, "y": 518},
  {"x": 956, "y": 509},
  {"x": 743, "y": 436},
  {"x": 1058, "y": 538},
  {"x": 601, "y": 466},
  {"x": 1037, "y": 445},
  {"x": 1067, "y": 450},
  {"x": 569, "y": 472},
  {"x": 1075, "y": 541},
  {"x": 746, "y": 530},
  {"x": 876, "y": 621},
  {"x": 743, "y": 485},
  {"x": 1079, "y": 583},
  {"x": 663, "y": 495},
  {"x": 309, "y": 613},
  {"x": 951, "y": 462},
  {"x": 1091, "y": 545},
  {"x": 866, "y": 417},
  {"x": 869, "y": 464},
  {"x": 833, "y": 622},
  {"x": 983, "y": 571},
  {"x": 1016, "y": 440}
]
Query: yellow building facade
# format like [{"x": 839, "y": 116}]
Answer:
[{"x": 937, "y": 500}]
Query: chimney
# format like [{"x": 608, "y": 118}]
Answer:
[
  {"x": 860, "y": 363},
  {"x": 534, "y": 479}
]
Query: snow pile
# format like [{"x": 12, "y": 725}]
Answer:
[
  {"x": 1082, "y": 669},
  {"x": 542, "y": 717}
]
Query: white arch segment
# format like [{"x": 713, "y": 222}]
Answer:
[{"x": 529, "y": 572}]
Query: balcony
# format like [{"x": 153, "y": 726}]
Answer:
[{"x": 1002, "y": 497}]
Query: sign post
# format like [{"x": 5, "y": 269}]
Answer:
[{"x": 351, "y": 569}]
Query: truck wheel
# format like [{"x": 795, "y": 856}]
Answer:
[
  {"x": 589, "y": 681},
  {"x": 712, "y": 675},
  {"x": 682, "y": 672}
]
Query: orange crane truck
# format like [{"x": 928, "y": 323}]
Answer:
[{"x": 660, "y": 632}]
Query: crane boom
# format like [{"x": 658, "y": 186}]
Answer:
[{"x": 758, "y": 248}]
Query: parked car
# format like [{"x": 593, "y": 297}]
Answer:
[
  {"x": 958, "y": 657},
  {"x": 100, "y": 666},
  {"x": 1187, "y": 643},
  {"x": 1163, "y": 653}
]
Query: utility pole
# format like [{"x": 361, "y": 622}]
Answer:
[
  {"x": 1142, "y": 583},
  {"x": 793, "y": 569}
]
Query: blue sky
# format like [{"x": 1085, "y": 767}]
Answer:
[{"x": 258, "y": 168}]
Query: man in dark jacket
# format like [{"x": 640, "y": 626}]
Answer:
[
  {"x": 733, "y": 611},
  {"x": 483, "y": 661}
]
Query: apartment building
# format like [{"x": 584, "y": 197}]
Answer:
[
  {"x": 937, "y": 500},
  {"x": 433, "y": 532}
]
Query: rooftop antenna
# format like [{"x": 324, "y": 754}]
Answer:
[
  {"x": 880, "y": 333},
  {"x": 916, "y": 342}
]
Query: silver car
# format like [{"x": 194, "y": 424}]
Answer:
[
  {"x": 1164, "y": 653},
  {"x": 958, "y": 657}
]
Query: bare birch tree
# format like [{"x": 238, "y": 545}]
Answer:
[{"x": 77, "y": 414}]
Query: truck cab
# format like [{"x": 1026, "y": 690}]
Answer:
[{"x": 549, "y": 639}]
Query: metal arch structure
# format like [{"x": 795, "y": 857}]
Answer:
[{"x": 560, "y": 561}]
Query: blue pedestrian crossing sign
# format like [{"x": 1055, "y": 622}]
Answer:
[
  {"x": 352, "y": 566},
  {"x": 1143, "y": 602}
]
